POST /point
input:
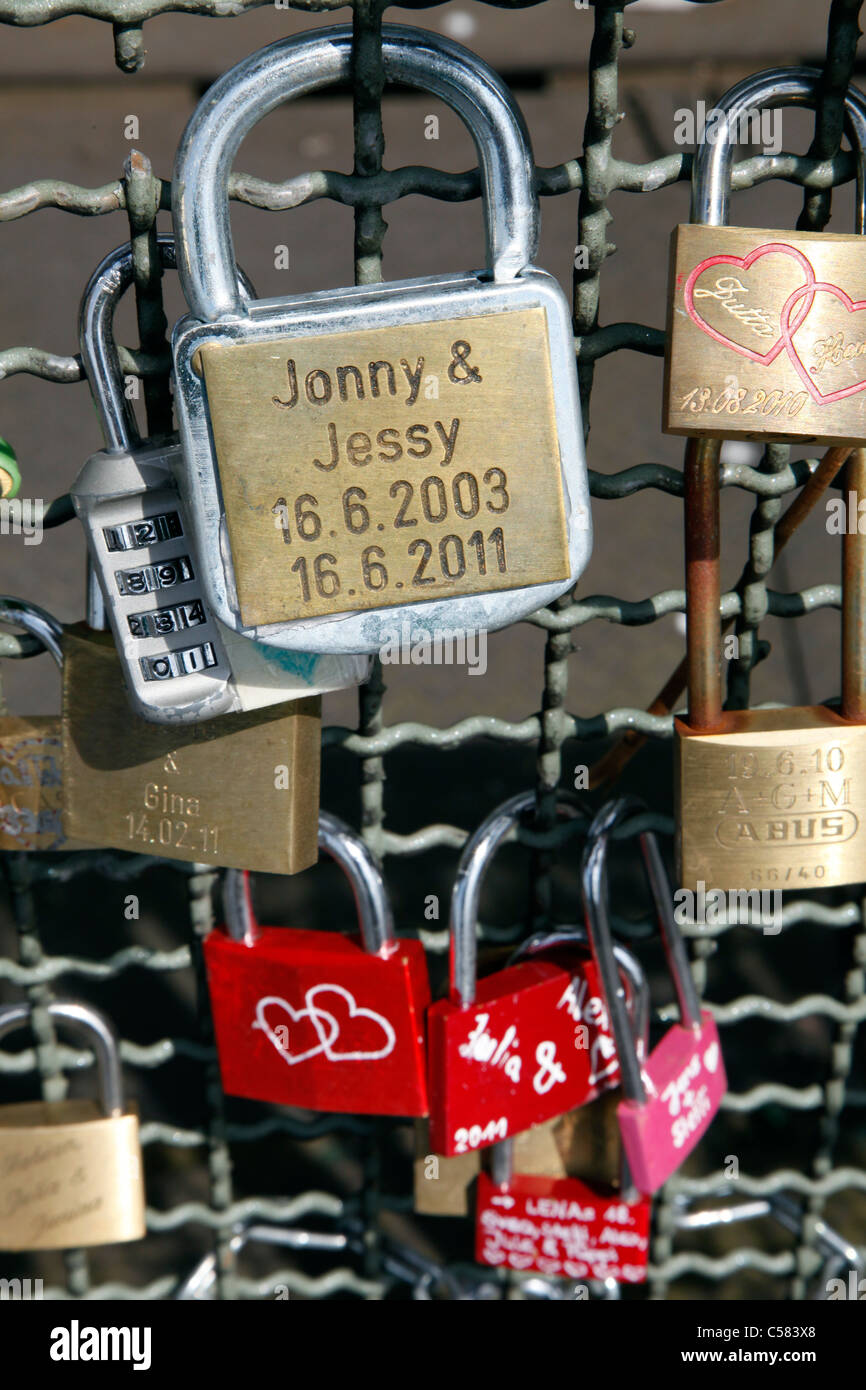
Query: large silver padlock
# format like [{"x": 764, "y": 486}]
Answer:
[
  {"x": 179, "y": 663},
  {"x": 377, "y": 463}
]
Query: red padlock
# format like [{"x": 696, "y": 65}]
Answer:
[
  {"x": 670, "y": 1100},
  {"x": 520, "y": 1046},
  {"x": 318, "y": 1019},
  {"x": 565, "y": 1227}
]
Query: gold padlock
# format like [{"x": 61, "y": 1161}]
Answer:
[
  {"x": 583, "y": 1143},
  {"x": 31, "y": 783},
  {"x": 763, "y": 324},
  {"x": 764, "y": 798},
  {"x": 442, "y": 1184},
  {"x": 240, "y": 791},
  {"x": 70, "y": 1170}
]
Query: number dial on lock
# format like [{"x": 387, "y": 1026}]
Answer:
[
  {"x": 535, "y": 1043},
  {"x": 352, "y": 485},
  {"x": 767, "y": 335}
]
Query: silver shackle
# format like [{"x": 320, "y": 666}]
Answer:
[
  {"x": 294, "y": 67},
  {"x": 111, "y": 278},
  {"x": 372, "y": 903},
  {"x": 477, "y": 854},
  {"x": 792, "y": 86},
  {"x": 596, "y": 908},
  {"x": 97, "y": 1031}
]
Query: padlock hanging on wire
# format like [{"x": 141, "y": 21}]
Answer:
[
  {"x": 770, "y": 798},
  {"x": 180, "y": 665},
  {"x": 518, "y": 1046},
  {"x": 72, "y": 1169},
  {"x": 574, "y": 1226},
  {"x": 319, "y": 1019},
  {"x": 377, "y": 464}
]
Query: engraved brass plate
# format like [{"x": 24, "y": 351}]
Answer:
[
  {"x": 774, "y": 799},
  {"x": 766, "y": 335},
  {"x": 240, "y": 791},
  {"x": 31, "y": 784},
  {"x": 69, "y": 1176},
  {"x": 363, "y": 470}
]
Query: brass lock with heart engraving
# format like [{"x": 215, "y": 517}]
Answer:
[
  {"x": 766, "y": 328},
  {"x": 769, "y": 798},
  {"x": 71, "y": 1170}
]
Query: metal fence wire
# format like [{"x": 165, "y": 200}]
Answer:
[{"x": 367, "y": 1242}]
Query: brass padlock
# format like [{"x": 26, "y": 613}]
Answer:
[
  {"x": 763, "y": 339},
  {"x": 31, "y": 782},
  {"x": 764, "y": 798},
  {"x": 70, "y": 1170},
  {"x": 239, "y": 791},
  {"x": 441, "y": 1184}
]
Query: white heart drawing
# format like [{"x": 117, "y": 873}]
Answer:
[
  {"x": 295, "y": 1015},
  {"x": 711, "y": 1057},
  {"x": 355, "y": 1011},
  {"x": 520, "y": 1261}
]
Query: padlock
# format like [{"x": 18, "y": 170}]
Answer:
[
  {"x": 31, "y": 782},
  {"x": 72, "y": 1172},
  {"x": 179, "y": 663},
  {"x": 671, "y": 1099},
  {"x": 562, "y": 1220},
  {"x": 318, "y": 1019},
  {"x": 397, "y": 520},
  {"x": 519, "y": 1046},
  {"x": 765, "y": 798},
  {"x": 241, "y": 790},
  {"x": 762, "y": 342}
]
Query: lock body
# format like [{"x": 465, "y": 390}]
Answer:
[
  {"x": 767, "y": 335},
  {"x": 71, "y": 1176},
  {"x": 686, "y": 1076},
  {"x": 772, "y": 799},
  {"x": 31, "y": 784},
  {"x": 392, "y": 460},
  {"x": 311, "y": 1019},
  {"x": 240, "y": 790},
  {"x": 441, "y": 1185},
  {"x": 562, "y": 1227},
  {"x": 535, "y": 1043}
]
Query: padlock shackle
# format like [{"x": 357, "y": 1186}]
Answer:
[
  {"x": 786, "y": 86},
  {"x": 294, "y": 67},
  {"x": 471, "y": 869},
  {"x": 596, "y": 907},
  {"x": 109, "y": 281},
  {"x": 94, "y": 1027},
  {"x": 354, "y": 857},
  {"x": 19, "y": 612}
]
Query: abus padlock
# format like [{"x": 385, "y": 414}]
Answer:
[
  {"x": 318, "y": 1019},
  {"x": 31, "y": 769},
  {"x": 766, "y": 334},
  {"x": 570, "y": 1227},
  {"x": 670, "y": 1100},
  {"x": 771, "y": 797},
  {"x": 519, "y": 1046},
  {"x": 71, "y": 1169},
  {"x": 397, "y": 518},
  {"x": 179, "y": 663}
]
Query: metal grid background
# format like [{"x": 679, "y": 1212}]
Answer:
[{"x": 35, "y": 973}]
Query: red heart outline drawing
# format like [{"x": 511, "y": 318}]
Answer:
[
  {"x": 763, "y": 359},
  {"x": 789, "y": 329}
]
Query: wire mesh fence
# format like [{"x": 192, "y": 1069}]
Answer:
[{"x": 789, "y": 1144}]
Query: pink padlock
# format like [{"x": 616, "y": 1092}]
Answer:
[{"x": 671, "y": 1099}]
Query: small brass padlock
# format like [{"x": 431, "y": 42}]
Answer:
[
  {"x": 378, "y": 463},
  {"x": 765, "y": 327},
  {"x": 31, "y": 781},
  {"x": 70, "y": 1170},
  {"x": 767, "y": 798},
  {"x": 441, "y": 1184},
  {"x": 240, "y": 791}
]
